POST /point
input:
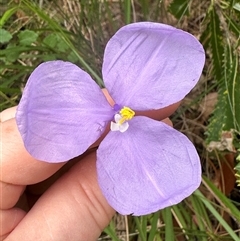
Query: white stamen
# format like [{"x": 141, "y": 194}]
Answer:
[
  {"x": 116, "y": 126},
  {"x": 123, "y": 127}
]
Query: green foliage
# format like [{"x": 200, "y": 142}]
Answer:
[
  {"x": 236, "y": 6},
  {"x": 223, "y": 33},
  {"x": 179, "y": 8},
  {"x": 7, "y": 14},
  {"x": 5, "y": 36},
  {"x": 27, "y": 37},
  {"x": 237, "y": 168},
  {"x": 228, "y": 108},
  {"x": 53, "y": 40},
  {"x": 216, "y": 43},
  {"x": 217, "y": 215},
  {"x": 225, "y": 56}
]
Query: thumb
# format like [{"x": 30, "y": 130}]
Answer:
[{"x": 72, "y": 209}]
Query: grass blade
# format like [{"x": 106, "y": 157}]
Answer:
[{"x": 216, "y": 214}]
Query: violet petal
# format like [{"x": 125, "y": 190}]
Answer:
[
  {"x": 147, "y": 168},
  {"x": 62, "y": 112},
  {"x": 151, "y": 65}
]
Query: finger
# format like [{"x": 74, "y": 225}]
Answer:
[
  {"x": 72, "y": 209},
  {"x": 9, "y": 194},
  {"x": 17, "y": 165},
  {"x": 8, "y": 114},
  {"x": 9, "y": 219},
  {"x": 168, "y": 122},
  {"x": 18, "y": 168}
]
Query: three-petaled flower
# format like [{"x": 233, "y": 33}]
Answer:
[{"x": 143, "y": 165}]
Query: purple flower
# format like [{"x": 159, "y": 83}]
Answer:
[{"x": 143, "y": 165}]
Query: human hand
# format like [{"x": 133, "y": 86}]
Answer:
[{"x": 72, "y": 207}]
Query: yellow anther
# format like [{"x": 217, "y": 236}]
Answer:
[{"x": 126, "y": 114}]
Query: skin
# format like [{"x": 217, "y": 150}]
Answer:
[{"x": 46, "y": 201}]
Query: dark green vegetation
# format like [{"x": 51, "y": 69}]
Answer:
[{"x": 35, "y": 31}]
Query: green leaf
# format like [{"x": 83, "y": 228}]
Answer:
[
  {"x": 110, "y": 230},
  {"x": 51, "y": 40},
  {"x": 179, "y": 8},
  {"x": 225, "y": 202},
  {"x": 237, "y": 169},
  {"x": 141, "y": 224},
  {"x": 18, "y": 48},
  {"x": 226, "y": 117},
  {"x": 49, "y": 57},
  {"x": 216, "y": 43},
  {"x": 145, "y": 4},
  {"x": 153, "y": 231},
  {"x": 54, "y": 41},
  {"x": 5, "y": 36},
  {"x": 27, "y": 37},
  {"x": 201, "y": 216},
  {"x": 127, "y": 11},
  {"x": 72, "y": 57},
  {"x": 217, "y": 215},
  {"x": 233, "y": 26},
  {"x": 225, "y": 121},
  {"x": 7, "y": 15},
  {"x": 62, "y": 46},
  {"x": 237, "y": 6},
  {"x": 167, "y": 216}
]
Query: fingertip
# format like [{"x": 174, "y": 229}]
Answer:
[
  {"x": 9, "y": 194},
  {"x": 17, "y": 165},
  {"x": 8, "y": 114},
  {"x": 168, "y": 122},
  {"x": 10, "y": 219}
]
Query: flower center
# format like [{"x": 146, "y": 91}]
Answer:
[
  {"x": 126, "y": 114},
  {"x": 121, "y": 119}
]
